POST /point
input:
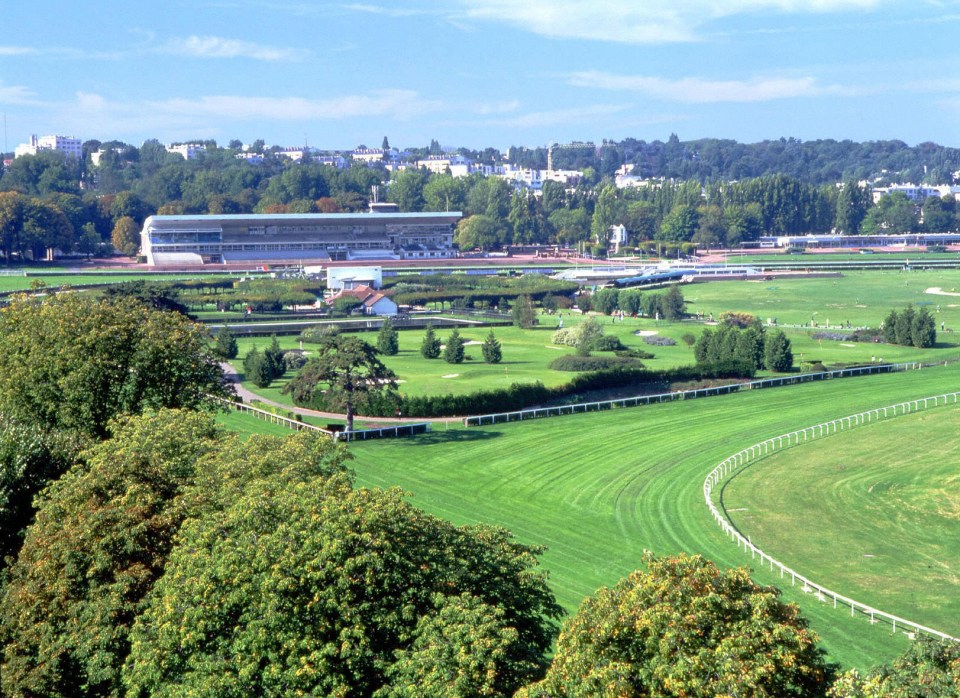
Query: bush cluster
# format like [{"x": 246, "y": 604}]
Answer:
[
  {"x": 575, "y": 362},
  {"x": 658, "y": 340}
]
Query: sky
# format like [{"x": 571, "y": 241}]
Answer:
[{"x": 479, "y": 73}]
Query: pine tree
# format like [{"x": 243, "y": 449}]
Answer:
[
  {"x": 492, "y": 352},
  {"x": 256, "y": 369},
  {"x": 430, "y": 347},
  {"x": 453, "y": 351},
  {"x": 388, "y": 339},
  {"x": 226, "y": 344},
  {"x": 777, "y": 354},
  {"x": 273, "y": 359},
  {"x": 523, "y": 313}
]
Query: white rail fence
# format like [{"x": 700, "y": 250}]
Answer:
[
  {"x": 407, "y": 429},
  {"x": 581, "y": 407},
  {"x": 738, "y": 461}
]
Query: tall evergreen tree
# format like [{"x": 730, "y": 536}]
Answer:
[
  {"x": 226, "y": 344},
  {"x": 453, "y": 351},
  {"x": 430, "y": 347},
  {"x": 388, "y": 339},
  {"x": 492, "y": 351}
]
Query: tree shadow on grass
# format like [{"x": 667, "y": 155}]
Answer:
[{"x": 438, "y": 435}]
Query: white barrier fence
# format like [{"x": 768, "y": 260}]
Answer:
[
  {"x": 408, "y": 429},
  {"x": 581, "y": 407},
  {"x": 735, "y": 463}
]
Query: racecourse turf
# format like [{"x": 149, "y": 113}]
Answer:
[{"x": 598, "y": 489}]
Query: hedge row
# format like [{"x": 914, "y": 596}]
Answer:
[{"x": 521, "y": 396}]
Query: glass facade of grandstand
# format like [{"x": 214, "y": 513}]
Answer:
[{"x": 296, "y": 238}]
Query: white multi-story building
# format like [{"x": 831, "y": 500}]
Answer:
[
  {"x": 534, "y": 179},
  {"x": 914, "y": 192},
  {"x": 68, "y": 145},
  {"x": 305, "y": 238},
  {"x": 189, "y": 151}
]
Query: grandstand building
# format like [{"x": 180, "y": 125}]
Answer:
[{"x": 296, "y": 238}]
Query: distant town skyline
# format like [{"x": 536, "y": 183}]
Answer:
[{"x": 481, "y": 73}]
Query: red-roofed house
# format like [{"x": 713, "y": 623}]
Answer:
[{"x": 373, "y": 302}]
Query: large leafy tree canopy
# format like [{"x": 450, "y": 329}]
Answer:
[
  {"x": 682, "y": 627},
  {"x": 928, "y": 668},
  {"x": 103, "y": 534},
  {"x": 314, "y": 588},
  {"x": 73, "y": 361},
  {"x": 30, "y": 457}
]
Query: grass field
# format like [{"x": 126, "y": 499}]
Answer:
[
  {"x": 599, "y": 489},
  {"x": 862, "y": 298},
  {"x": 875, "y": 511}
]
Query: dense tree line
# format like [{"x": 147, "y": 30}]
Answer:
[
  {"x": 708, "y": 192},
  {"x": 816, "y": 162}
]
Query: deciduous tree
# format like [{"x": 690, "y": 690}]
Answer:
[
  {"x": 682, "y": 627},
  {"x": 73, "y": 361},
  {"x": 312, "y": 588}
]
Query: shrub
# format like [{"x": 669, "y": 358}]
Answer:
[
  {"x": 688, "y": 339},
  {"x": 635, "y": 354},
  {"x": 658, "y": 340},
  {"x": 565, "y": 336},
  {"x": 607, "y": 342},
  {"x": 294, "y": 359},
  {"x": 318, "y": 333},
  {"x": 575, "y": 362}
]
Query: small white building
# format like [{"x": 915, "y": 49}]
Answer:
[
  {"x": 68, "y": 145},
  {"x": 617, "y": 237}
]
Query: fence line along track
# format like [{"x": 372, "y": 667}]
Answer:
[
  {"x": 735, "y": 464},
  {"x": 409, "y": 429},
  {"x": 581, "y": 407}
]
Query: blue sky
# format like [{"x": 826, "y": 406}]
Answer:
[{"x": 480, "y": 73}]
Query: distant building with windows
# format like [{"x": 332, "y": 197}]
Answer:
[
  {"x": 68, "y": 145},
  {"x": 308, "y": 238},
  {"x": 914, "y": 192},
  {"x": 189, "y": 151}
]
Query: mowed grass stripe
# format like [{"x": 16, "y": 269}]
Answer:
[
  {"x": 599, "y": 488},
  {"x": 876, "y": 512}
]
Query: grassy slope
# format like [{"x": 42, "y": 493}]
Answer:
[{"x": 598, "y": 489}]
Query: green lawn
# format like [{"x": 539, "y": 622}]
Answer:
[
  {"x": 598, "y": 489},
  {"x": 875, "y": 513},
  {"x": 862, "y": 298}
]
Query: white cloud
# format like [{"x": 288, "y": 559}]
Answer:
[
  {"x": 219, "y": 47},
  {"x": 17, "y": 95},
  {"x": 395, "y": 12},
  {"x": 636, "y": 21},
  {"x": 16, "y": 50},
  {"x": 396, "y": 104},
  {"x": 698, "y": 90}
]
